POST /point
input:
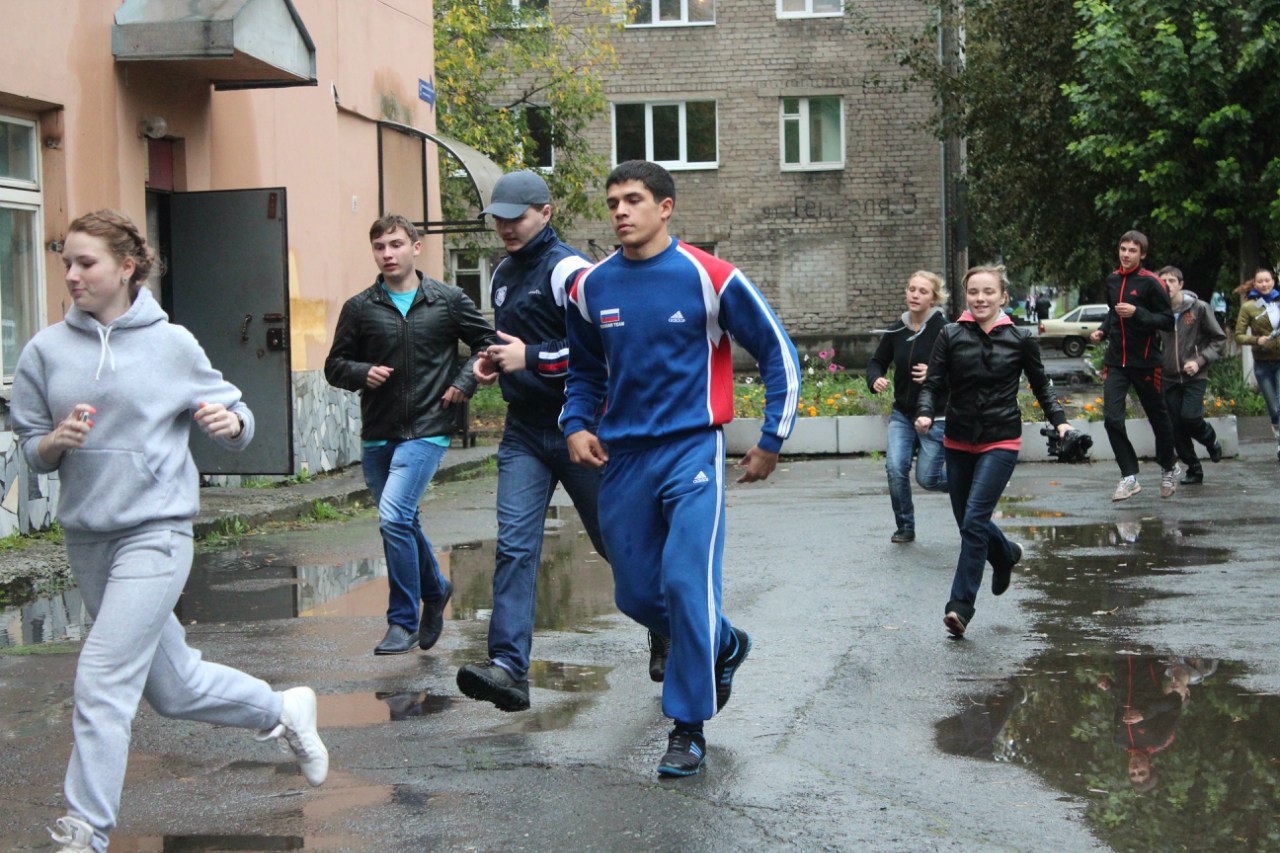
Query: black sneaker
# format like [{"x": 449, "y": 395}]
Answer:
[
  {"x": 726, "y": 666},
  {"x": 902, "y": 535},
  {"x": 432, "y": 622},
  {"x": 686, "y": 754},
  {"x": 1000, "y": 577},
  {"x": 955, "y": 624},
  {"x": 1194, "y": 477},
  {"x": 659, "y": 648},
  {"x": 489, "y": 682}
]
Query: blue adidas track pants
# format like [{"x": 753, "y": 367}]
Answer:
[{"x": 662, "y": 518}]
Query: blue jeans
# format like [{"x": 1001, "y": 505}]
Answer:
[
  {"x": 398, "y": 473},
  {"x": 1268, "y": 375},
  {"x": 977, "y": 481},
  {"x": 930, "y": 471},
  {"x": 531, "y": 461}
]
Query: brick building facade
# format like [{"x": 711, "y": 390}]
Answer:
[{"x": 800, "y": 150}]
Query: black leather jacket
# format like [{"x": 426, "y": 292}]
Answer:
[
  {"x": 981, "y": 371},
  {"x": 422, "y": 349}
]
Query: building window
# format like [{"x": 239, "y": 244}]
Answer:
[
  {"x": 809, "y": 8},
  {"x": 680, "y": 135},
  {"x": 470, "y": 270},
  {"x": 659, "y": 13},
  {"x": 538, "y": 148},
  {"x": 812, "y": 131},
  {"x": 21, "y": 255}
]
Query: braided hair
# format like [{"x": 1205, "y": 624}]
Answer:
[{"x": 123, "y": 240}]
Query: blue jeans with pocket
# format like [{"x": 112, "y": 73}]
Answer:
[
  {"x": 398, "y": 473},
  {"x": 931, "y": 472},
  {"x": 532, "y": 459},
  {"x": 977, "y": 480}
]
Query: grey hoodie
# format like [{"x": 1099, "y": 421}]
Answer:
[
  {"x": 146, "y": 377},
  {"x": 1196, "y": 336}
]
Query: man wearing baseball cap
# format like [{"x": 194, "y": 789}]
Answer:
[{"x": 530, "y": 364}]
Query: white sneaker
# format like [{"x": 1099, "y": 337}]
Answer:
[
  {"x": 296, "y": 733},
  {"x": 73, "y": 834},
  {"x": 1169, "y": 480},
  {"x": 1127, "y": 488}
]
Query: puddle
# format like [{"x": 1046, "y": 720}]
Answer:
[
  {"x": 1160, "y": 748},
  {"x": 357, "y": 710},
  {"x": 256, "y": 582}
]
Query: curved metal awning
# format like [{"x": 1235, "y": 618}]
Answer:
[
  {"x": 482, "y": 172},
  {"x": 234, "y": 44}
]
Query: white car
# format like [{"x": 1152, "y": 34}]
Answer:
[{"x": 1072, "y": 329}]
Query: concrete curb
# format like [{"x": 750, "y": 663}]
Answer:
[{"x": 224, "y": 508}]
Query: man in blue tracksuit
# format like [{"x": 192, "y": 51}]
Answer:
[
  {"x": 649, "y": 331},
  {"x": 530, "y": 363}
]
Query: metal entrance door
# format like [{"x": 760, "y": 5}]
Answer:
[{"x": 228, "y": 266}]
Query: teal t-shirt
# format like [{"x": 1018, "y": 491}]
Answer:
[{"x": 402, "y": 301}]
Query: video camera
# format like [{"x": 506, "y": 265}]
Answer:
[{"x": 1073, "y": 447}]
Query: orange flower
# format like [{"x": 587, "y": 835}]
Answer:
[
  {"x": 1035, "y": 404},
  {"x": 1097, "y": 401},
  {"x": 1088, "y": 407},
  {"x": 1231, "y": 402},
  {"x": 813, "y": 413},
  {"x": 1218, "y": 404},
  {"x": 830, "y": 401}
]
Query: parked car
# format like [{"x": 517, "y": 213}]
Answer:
[{"x": 1073, "y": 328}]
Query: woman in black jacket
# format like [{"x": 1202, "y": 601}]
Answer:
[
  {"x": 905, "y": 347},
  {"x": 977, "y": 364}
]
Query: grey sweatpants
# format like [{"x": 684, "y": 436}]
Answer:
[{"x": 137, "y": 648}]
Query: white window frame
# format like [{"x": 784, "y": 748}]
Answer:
[
  {"x": 808, "y": 11},
  {"x": 805, "y": 165},
  {"x": 27, "y": 196},
  {"x": 683, "y": 163},
  {"x": 684, "y": 17},
  {"x": 483, "y": 268}
]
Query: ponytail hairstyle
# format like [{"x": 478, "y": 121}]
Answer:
[{"x": 124, "y": 241}]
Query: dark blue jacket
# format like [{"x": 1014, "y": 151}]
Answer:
[{"x": 528, "y": 291}]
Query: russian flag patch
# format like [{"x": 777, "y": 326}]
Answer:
[{"x": 610, "y": 317}]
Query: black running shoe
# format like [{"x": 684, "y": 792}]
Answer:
[
  {"x": 728, "y": 664},
  {"x": 686, "y": 754},
  {"x": 432, "y": 621},
  {"x": 490, "y": 682},
  {"x": 1000, "y": 577},
  {"x": 659, "y": 648}
]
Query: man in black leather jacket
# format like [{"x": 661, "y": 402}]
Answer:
[{"x": 397, "y": 344}]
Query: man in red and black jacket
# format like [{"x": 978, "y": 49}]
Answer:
[{"x": 1140, "y": 310}]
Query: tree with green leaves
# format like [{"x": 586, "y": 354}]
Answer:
[
  {"x": 1176, "y": 106},
  {"x": 515, "y": 77}
]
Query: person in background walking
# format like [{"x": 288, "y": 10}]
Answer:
[
  {"x": 1195, "y": 343},
  {"x": 905, "y": 347},
  {"x": 106, "y": 398},
  {"x": 1218, "y": 303},
  {"x": 977, "y": 366},
  {"x": 1258, "y": 326},
  {"x": 397, "y": 344}
]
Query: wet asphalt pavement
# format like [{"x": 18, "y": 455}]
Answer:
[{"x": 856, "y": 724}]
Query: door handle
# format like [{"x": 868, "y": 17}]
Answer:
[{"x": 244, "y": 328}]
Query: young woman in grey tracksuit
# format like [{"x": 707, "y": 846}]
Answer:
[{"x": 106, "y": 398}]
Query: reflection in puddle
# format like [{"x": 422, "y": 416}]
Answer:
[
  {"x": 355, "y": 710},
  {"x": 255, "y": 583},
  {"x": 1163, "y": 749}
]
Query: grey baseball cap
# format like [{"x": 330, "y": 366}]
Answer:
[{"x": 515, "y": 192}]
